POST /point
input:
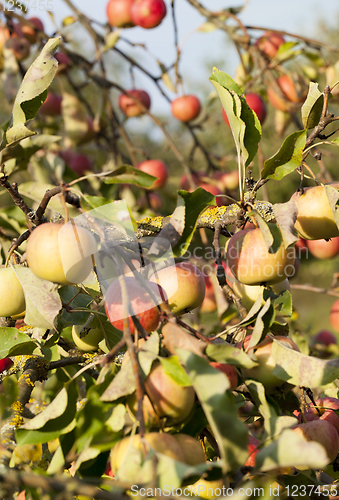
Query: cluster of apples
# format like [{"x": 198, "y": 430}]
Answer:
[
  {"x": 128, "y": 13},
  {"x": 19, "y": 36},
  {"x": 218, "y": 183}
]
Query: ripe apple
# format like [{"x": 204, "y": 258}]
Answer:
[
  {"x": 253, "y": 264},
  {"x": 256, "y": 103},
  {"x": 334, "y": 315},
  {"x": 194, "y": 454},
  {"x": 184, "y": 182},
  {"x": 148, "y": 13},
  {"x": 324, "y": 249},
  {"x": 211, "y": 188},
  {"x": 184, "y": 285},
  {"x": 252, "y": 448},
  {"x": 19, "y": 46},
  {"x": 29, "y": 32},
  {"x": 130, "y": 106},
  {"x": 80, "y": 163},
  {"x": 64, "y": 61},
  {"x": 108, "y": 470},
  {"x": 228, "y": 180},
  {"x": 61, "y": 253},
  {"x": 5, "y": 364},
  {"x": 186, "y": 108},
  {"x": 263, "y": 372},
  {"x": 315, "y": 219},
  {"x": 288, "y": 90},
  {"x": 269, "y": 43},
  {"x": 158, "y": 169},
  {"x": 322, "y": 432},
  {"x": 119, "y": 13},
  {"x": 12, "y": 298},
  {"x": 168, "y": 398},
  {"x": 143, "y": 305},
  {"x": 250, "y": 293},
  {"x": 229, "y": 371},
  {"x": 51, "y": 106},
  {"x": 325, "y": 337},
  {"x": 160, "y": 442},
  {"x": 324, "y": 409},
  {"x": 87, "y": 339}
]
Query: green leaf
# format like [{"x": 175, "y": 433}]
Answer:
[
  {"x": 292, "y": 450},
  {"x": 29, "y": 146},
  {"x": 230, "y": 354},
  {"x": 302, "y": 370},
  {"x": 262, "y": 323},
  {"x": 129, "y": 175},
  {"x": 56, "y": 419},
  {"x": 287, "y": 159},
  {"x": 312, "y": 107},
  {"x": 32, "y": 92},
  {"x": 286, "y": 215},
  {"x": 69, "y": 295},
  {"x": 211, "y": 387},
  {"x": 14, "y": 343},
  {"x": 42, "y": 300},
  {"x": 244, "y": 123},
  {"x": 194, "y": 203},
  {"x": 174, "y": 369}
]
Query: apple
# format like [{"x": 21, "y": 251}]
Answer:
[
  {"x": 228, "y": 180},
  {"x": 334, "y": 315},
  {"x": 250, "y": 293},
  {"x": 209, "y": 303},
  {"x": 211, "y": 188},
  {"x": 263, "y": 372},
  {"x": 184, "y": 182},
  {"x": 301, "y": 247},
  {"x": 252, "y": 263},
  {"x": 256, "y": 103},
  {"x": 148, "y": 13},
  {"x": 209, "y": 490},
  {"x": 87, "y": 339},
  {"x": 315, "y": 220},
  {"x": 269, "y": 43},
  {"x": 325, "y": 337},
  {"x": 119, "y": 13},
  {"x": 80, "y": 163},
  {"x": 168, "y": 398},
  {"x": 51, "y": 106},
  {"x": 142, "y": 303},
  {"x": 29, "y": 32},
  {"x": 64, "y": 62},
  {"x": 184, "y": 285},
  {"x": 5, "y": 364},
  {"x": 61, "y": 253},
  {"x": 19, "y": 46},
  {"x": 160, "y": 442},
  {"x": 229, "y": 371},
  {"x": 289, "y": 93},
  {"x": 322, "y": 432},
  {"x": 130, "y": 106},
  {"x": 158, "y": 169},
  {"x": 323, "y": 410},
  {"x": 252, "y": 448},
  {"x": 108, "y": 470},
  {"x": 194, "y": 454},
  {"x": 12, "y": 298},
  {"x": 186, "y": 108},
  {"x": 324, "y": 249}
]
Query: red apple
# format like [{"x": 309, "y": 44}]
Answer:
[
  {"x": 148, "y": 13},
  {"x": 269, "y": 43},
  {"x": 51, "y": 106},
  {"x": 5, "y": 364},
  {"x": 322, "y": 432},
  {"x": 256, "y": 103},
  {"x": 210, "y": 188},
  {"x": 143, "y": 305},
  {"x": 108, "y": 470},
  {"x": 325, "y": 337},
  {"x": 229, "y": 371},
  {"x": 324, "y": 249},
  {"x": 186, "y": 108},
  {"x": 185, "y": 184},
  {"x": 289, "y": 93},
  {"x": 334, "y": 315},
  {"x": 301, "y": 247},
  {"x": 184, "y": 285},
  {"x": 158, "y": 169},
  {"x": 80, "y": 163},
  {"x": 252, "y": 448},
  {"x": 251, "y": 262},
  {"x": 30, "y": 32},
  {"x": 64, "y": 62},
  {"x": 130, "y": 106},
  {"x": 323, "y": 410},
  {"x": 119, "y": 13},
  {"x": 19, "y": 46},
  {"x": 228, "y": 180}
]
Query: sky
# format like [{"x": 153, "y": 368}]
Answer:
[{"x": 200, "y": 51}]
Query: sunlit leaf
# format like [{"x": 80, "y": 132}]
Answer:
[{"x": 287, "y": 159}]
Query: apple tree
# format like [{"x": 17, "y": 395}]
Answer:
[{"x": 156, "y": 271}]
